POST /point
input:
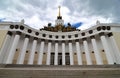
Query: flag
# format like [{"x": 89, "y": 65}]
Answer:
[
  {"x": 76, "y": 25},
  {"x": 1, "y": 19}
]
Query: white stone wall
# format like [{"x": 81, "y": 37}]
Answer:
[{"x": 114, "y": 27}]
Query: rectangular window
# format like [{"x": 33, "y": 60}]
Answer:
[
  {"x": 59, "y": 58},
  {"x": 52, "y": 59},
  {"x": 67, "y": 58}
]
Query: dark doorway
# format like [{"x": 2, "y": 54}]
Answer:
[
  {"x": 59, "y": 58},
  {"x": 52, "y": 59},
  {"x": 67, "y": 59}
]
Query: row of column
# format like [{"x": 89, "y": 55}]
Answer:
[{"x": 98, "y": 57}]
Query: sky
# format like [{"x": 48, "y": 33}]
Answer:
[{"x": 38, "y": 13}]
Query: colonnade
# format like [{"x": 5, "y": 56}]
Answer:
[{"x": 85, "y": 43}]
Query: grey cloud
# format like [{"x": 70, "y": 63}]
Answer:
[
  {"x": 4, "y": 4},
  {"x": 104, "y": 8},
  {"x": 36, "y": 3},
  {"x": 107, "y": 8},
  {"x": 28, "y": 8},
  {"x": 45, "y": 9},
  {"x": 76, "y": 5},
  {"x": 43, "y": 4}
]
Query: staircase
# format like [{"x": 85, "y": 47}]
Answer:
[{"x": 67, "y": 71}]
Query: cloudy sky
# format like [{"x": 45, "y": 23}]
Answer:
[{"x": 37, "y": 13}]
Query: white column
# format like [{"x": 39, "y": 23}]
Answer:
[
  {"x": 71, "y": 53},
  {"x": 5, "y": 46},
  {"x": 115, "y": 47},
  {"x": 87, "y": 53},
  {"x": 21, "y": 56},
  {"x": 40, "y": 57},
  {"x": 79, "y": 58},
  {"x": 96, "y": 51},
  {"x": 32, "y": 52},
  {"x": 63, "y": 53},
  {"x": 56, "y": 54},
  {"x": 48, "y": 53},
  {"x": 13, "y": 48},
  {"x": 8, "y": 49},
  {"x": 107, "y": 50}
]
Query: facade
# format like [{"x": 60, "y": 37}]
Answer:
[{"x": 60, "y": 46}]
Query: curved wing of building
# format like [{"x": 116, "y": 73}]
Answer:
[
  {"x": 66, "y": 51},
  {"x": 21, "y": 44}
]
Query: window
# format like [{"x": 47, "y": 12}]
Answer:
[
  {"x": 22, "y": 27},
  {"x": 59, "y": 58},
  {"x": 103, "y": 27},
  {"x": 29, "y": 30},
  {"x": 63, "y": 36},
  {"x": 83, "y": 52},
  {"x": 52, "y": 59},
  {"x": 98, "y": 28},
  {"x": 67, "y": 59},
  {"x": 36, "y": 52},
  {"x": 56, "y": 36},
  {"x": 92, "y": 51},
  {"x": 108, "y": 28},
  {"x": 50, "y": 36},
  {"x": 91, "y": 31},
  {"x": 76, "y": 35},
  {"x": 44, "y": 35},
  {"x": 83, "y": 34},
  {"x": 11, "y": 26},
  {"x": 69, "y": 36},
  {"x": 16, "y": 26},
  {"x": 36, "y": 33},
  {"x": 27, "y": 51}
]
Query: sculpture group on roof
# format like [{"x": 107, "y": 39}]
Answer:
[{"x": 60, "y": 27}]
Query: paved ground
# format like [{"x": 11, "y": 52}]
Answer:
[{"x": 43, "y": 71}]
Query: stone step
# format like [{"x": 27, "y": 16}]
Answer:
[{"x": 44, "y": 71}]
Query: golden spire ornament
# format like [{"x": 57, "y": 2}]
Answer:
[{"x": 59, "y": 10}]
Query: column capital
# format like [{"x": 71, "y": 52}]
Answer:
[
  {"x": 49, "y": 40},
  {"x": 9, "y": 33},
  {"x": 77, "y": 40},
  {"x": 104, "y": 27},
  {"x": 42, "y": 39},
  {"x": 22, "y": 27},
  {"x": 56, "y": 41},
  {"x": 35, "y": 38},
  {"x": 84, "y": 39},
  {"x": 110, "y": 34},
  {"x": 90, "y": 31},
  {"x": 27, "y": 36},
  {"x": 108, "y": 28},
  {"x": 92, "y": 37},
  {"x": 98, "y": 28},
  {"x": 83, "y": 33},
  {"x": 102, "y": 33},
  {"x": 29, "y": 30},
  {"x": 107, "y": 50},
  {"x": 63, "y": 41},
  {"x": 18, "y": 33},
  {"x": 11, "y": 26},
  {"x": 70, "y": 41}
]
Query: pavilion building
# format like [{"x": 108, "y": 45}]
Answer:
[{"x": 60, "y": 45}]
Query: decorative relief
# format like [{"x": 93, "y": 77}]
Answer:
[{"x": 59, "y": 28}]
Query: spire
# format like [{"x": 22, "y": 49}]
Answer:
[
  {"x": 97, "y": 22},
  {"x": 59, "y": 10},
  {"x": 59, "y": 20},
  {"x": 59, "y": 14}
]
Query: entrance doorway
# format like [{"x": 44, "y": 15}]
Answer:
[
  {"x": 67, "y": 59},
  {"x": 59, "y": 58}
]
